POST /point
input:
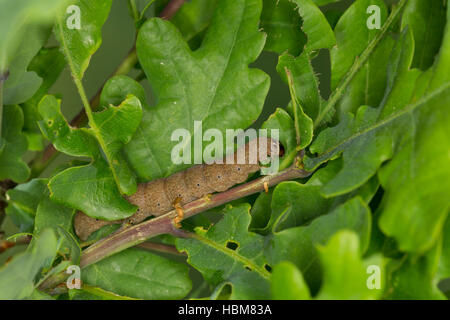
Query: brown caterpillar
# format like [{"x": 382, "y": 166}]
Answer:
[{"x": 162, "y": 195}]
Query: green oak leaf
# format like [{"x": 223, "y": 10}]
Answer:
[
  {"x": 404, "y": 133},
  {"x": 18, "y": 18},
  {"x": 280, "y": 120},
  {"x": 287, "y": 283},
  {"x": 315, "y": 26},
  {"x": 23, "y": 201},
  {"x": 227, "y": 254},
  {"x": 117, "y": 88},
  {"x": 50, "y": 215},
  {"x": 302, "y": 81},
  {"x": 298, "y": 244},
  {"x": 282, "y": 23},
  {"x": 345, "y": 274},
  {"x": 13, "y": 145},
  {"x": 18, "y": 278},
  {"x": 306, "y": 83},
  {"x": 193, "y": 19},
  {"x": 24, "y": 29},
  {"x": 324, "y": 2},
  {"x": 78, "y": 45},
  {"x": 22, "y": 84},
  {"x": 294, "y": 204},
  {"x": 90, "y": 188},
  {"x": 352, "y": 37},
  {"x": 139, "y": 274},
  {"x": 212, "y": 84},
  {"x": 39, "y": 295},
  {"x": 444, "y": 263},
  {"x": 114, "y": 127},
  {"x": 415, "y": 279},
  {"x": 48, "y": 65},
  {"x": 95, "y": 293},
  {"x": 416, "y": 15}
]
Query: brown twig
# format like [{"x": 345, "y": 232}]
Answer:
[
  {"x": 40, "y": 163},
  {"x": 131, "y": 236},
  {"x": 6, "y": 244},
  {"x": 153, "y": 246},
  {"x": 171, "y": 8}
]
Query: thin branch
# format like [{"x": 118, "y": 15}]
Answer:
[
  {"x": 3, "y": 77},
  {"x": 133, "y": 10},
  {"x": 131, "y": 236},
  {"x": 171, "y": 8},
  {"x": 294, "y": 103},
  {"x": 359, "y": 62},
  {"x": 6, "y": 244},
  {"x": 153, "y": 246}
]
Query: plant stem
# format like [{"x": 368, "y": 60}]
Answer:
[
  {"x": 359, "y": 62},
  {"x": 294, "y": 104},
  {"x": 153, "y": 246},
  {"x": 145, "y": 9},
  {"x": 131, "y": 236},
  {"x": 171, "y": 8},
  {"x": 133, "y": 10},
  {"x": 3, "y": 77}
]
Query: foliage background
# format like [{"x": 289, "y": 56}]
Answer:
[{"x": 118, "y": 36}]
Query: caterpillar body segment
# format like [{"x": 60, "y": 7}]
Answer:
[{"x": 162, "y": 195}]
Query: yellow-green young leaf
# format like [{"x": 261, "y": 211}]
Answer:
[
  {"x": 13, "y": 145},
  {"x": 415, "y": 279},
  {"x": 421, "y": 170},
  {"x": 282, "y": 23},
  {"x": 90, "y": 188},
  {"x": 79, "y": 44},
  {"x": 416, "y": 15},
  {"x": 18, "y": 278},
  {"x": 228, "y": 254},
  {"x": 298, "y": 244},
  {"x": 287, "y": 283},
  {"x": 345, "y": 275},
  {"x": 23, "y": 201},
  {"x": 95, "y": 293},
  {"x": 352, "y": 36},
  {"x": 139, "y": 274},
  {"x": 212, "y": 84}
]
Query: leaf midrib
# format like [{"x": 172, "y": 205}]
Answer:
[
  {"x": 234, "y": 255},
  {"x": 387, "y": 120}
]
